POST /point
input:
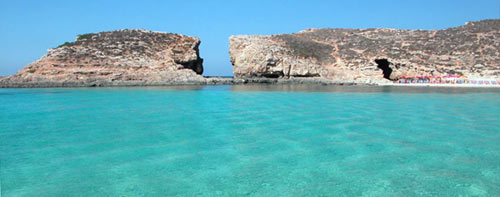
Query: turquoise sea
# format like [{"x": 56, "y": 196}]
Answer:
[{"x": 255, "y": 140}]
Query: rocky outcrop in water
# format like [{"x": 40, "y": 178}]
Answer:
[
  {"x": 115, "y": 58},
  {"x": 370, "y": 55}
]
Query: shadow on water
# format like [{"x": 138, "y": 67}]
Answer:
[
  {"x": 264, "y": 87},
  {"x": 359, "y": 89},
  {"x": 29, "y": 92},
  {"x": 42, "y": 91}
]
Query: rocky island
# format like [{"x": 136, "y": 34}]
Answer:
[
  {"x": 375, "y": 56},
  {"x": 327, "y": 56},
  {"x": 115, "y": 58}
]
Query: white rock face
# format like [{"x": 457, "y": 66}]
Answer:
[
  {"x": 123, "y": 57},
  {"x": 350, "y": 54}
]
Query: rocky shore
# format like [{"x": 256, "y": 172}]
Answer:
[
  {"x": 115, "y": 58},
  {"x": 198, "y": 81},
  {"x": 370, "y": 55},
  {"x": 312, "y": 56}
]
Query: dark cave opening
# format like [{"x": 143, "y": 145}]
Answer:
[
  {"x": 277, "y": 74},
  {"x": 384, "y": 65},
  {"x": 196, "y": 66}
]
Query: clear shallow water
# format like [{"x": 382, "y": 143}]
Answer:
[{"x": 250, "y": 140}]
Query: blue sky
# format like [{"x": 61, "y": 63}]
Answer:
[{"x": 29, "y": 28}]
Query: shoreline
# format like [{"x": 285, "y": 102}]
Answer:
[
  {"x": 225, "y": 81},
  {"x": 443, "y": 85},
  {"x": 200, "y": 81}
]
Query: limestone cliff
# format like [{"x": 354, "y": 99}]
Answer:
[
  {"x": 123, "y": 57},
  {"x": 370, "y": 55}
]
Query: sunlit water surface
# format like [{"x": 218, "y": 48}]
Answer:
[{"x": 250, "y": 140}]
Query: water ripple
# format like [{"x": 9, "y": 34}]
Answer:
[{"x": 250, "y": 140}]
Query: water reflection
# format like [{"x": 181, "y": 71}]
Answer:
[
  {"x": 267, "y": 87},
  {"x": 358, "y": 89}
]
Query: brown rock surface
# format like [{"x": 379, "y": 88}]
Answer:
[
  {"x": 115, "y": 58},
  {"x": 358, "y": 55}
]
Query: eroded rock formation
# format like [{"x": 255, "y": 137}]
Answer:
[
  {"x": 115, "y": 58},
  {"x": 370, "y": 55}
]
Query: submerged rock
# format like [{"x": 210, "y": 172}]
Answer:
[
  {"x": 115, "y": 58},
  {"x": 369, "y": 55}
]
